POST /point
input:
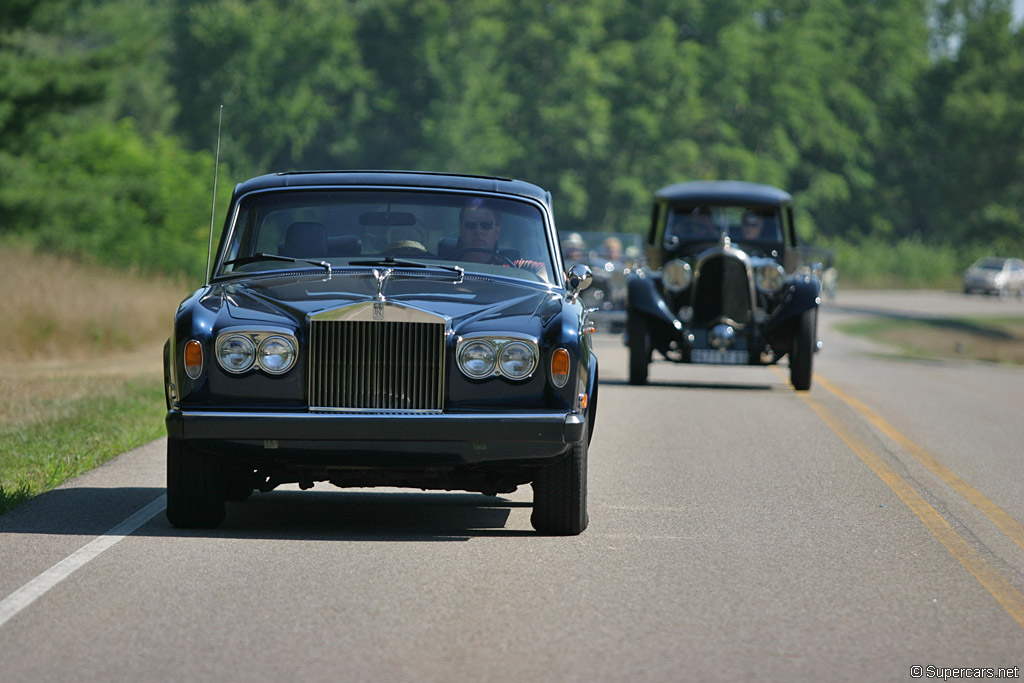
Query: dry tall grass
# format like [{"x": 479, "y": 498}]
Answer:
[
  {"x": 74, "y": 332},
  {"x": 55, "y": 308}
]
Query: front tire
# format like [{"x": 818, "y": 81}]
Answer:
[
  {"x": 639, "y": 341},
  {"x": 195, "y": 488},
  {"x": 801, "y": 355},
  {"x": 560, "y": 494}
]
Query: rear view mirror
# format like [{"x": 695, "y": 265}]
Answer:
[{"x": 388, "y": 218}]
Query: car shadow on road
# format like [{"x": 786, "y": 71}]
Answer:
[
  {"x": 356, "y": 515},
  {"x": 370, "y": 516},
  {"x": 728, "y": 386}
]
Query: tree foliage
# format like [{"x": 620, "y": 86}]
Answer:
[{"x": 888, "y": 121}]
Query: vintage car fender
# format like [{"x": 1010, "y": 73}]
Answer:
[
  {"x": 586, "y": 361},
  {"x": 643, "y": 296},
  {"x": 804, "y": 293}
]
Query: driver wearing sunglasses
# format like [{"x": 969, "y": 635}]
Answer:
[{"x": 479, "y": 229}]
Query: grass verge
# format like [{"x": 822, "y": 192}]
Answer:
[
  {"x": 996, "y": 340},
  {"x": 80, "y": 377},
  {"x": 77, "y": 435}
]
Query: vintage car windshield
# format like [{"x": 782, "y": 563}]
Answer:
[
  {"x": 756, "y": 226},
  {"x": 341, "y": 227}
]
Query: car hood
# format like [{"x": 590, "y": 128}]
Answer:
[{"x": 471, "y": 301}]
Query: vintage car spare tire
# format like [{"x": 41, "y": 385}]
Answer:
[
  {"x": 195, "y": 488},
  {"x": 560, "y": 494}
]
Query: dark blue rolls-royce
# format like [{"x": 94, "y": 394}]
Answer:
[{"x": 383, "y": 329}]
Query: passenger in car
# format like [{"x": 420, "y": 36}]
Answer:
[
  {"x": 752, "y": 226},
  {"x": 699, "y": 224}
]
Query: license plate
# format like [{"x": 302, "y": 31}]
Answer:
[{"x": 715, "y": 357}]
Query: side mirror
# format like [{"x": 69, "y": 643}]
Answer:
[{"x": 578, "y": 278}]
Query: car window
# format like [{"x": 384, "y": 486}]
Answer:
[
  {"x": 702, "y": 224},
  {"x": 477, "y": 232},
  {"x": 989, "y": 264}
]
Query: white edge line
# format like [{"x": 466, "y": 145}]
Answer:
[{"x": 37, "y": 587}]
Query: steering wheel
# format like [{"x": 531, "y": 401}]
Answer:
[
  {"x": 485, "y": 250},
  {"x": 406, "y": 248}
]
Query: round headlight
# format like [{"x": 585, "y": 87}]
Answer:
[
  {"x": 517, "y": 360},
  {"x": 677, "y": 275},
  {"x": 276, "y": 355},
  {"x": 236, "y": 353},
  {"x": 770, "y": 278},
  {"x": 476, "y": 359}
]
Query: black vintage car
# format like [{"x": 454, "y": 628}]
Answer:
[
  {"x": 383, "y": 329},
  {"x": 725, "y": 283}
]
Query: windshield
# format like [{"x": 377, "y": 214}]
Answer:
[
  {"x": 361, "y": 227},
  {"x": 702, "y": 224},
  {"x": 989, "y": 264}
]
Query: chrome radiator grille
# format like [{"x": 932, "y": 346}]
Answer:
[
  {"x": 722, "y": 289},
  {"x": 376, "y": 366}
]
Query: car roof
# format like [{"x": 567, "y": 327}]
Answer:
[
  {"x": 722, "y": 192},
  {"x": 423, "y": 179}
]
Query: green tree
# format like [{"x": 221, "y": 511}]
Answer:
[{"x": 288, "y": 75}]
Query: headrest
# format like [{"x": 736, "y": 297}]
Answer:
[{"x": 305, "y": 239}]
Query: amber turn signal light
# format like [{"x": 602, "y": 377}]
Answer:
[
  {"x": 193, "y": 359},
  {"x": 560, "y": 367}
]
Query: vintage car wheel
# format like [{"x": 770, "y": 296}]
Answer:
[
  {"x": 560, "y": 494},
  {"x": 801, "y": 356},
  {"x": 639, "y": 347},
  {"x": 195, "y": 488}
]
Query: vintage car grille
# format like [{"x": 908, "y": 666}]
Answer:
[
  {"x": 722, "y": 289},
  {"x": 376, "y": 366}
]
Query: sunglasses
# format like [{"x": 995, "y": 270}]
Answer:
[{"x": 478, "y": 225}]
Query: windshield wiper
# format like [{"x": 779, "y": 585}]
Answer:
[
  {"x": 276, "y": 257},
  {"x": 405, "y": 263}
]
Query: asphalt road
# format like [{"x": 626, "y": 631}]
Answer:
[{"x": 739, "y": 531}]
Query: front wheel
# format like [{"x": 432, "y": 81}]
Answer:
[
  {"x": 195, "y": 488},
  {"x": 639, "y": 342},
  {"x": 801, "y": 354},
  {"x": 560, "y": 494}
]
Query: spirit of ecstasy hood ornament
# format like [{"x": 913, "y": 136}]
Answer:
[{"x": 382, "y": 279}]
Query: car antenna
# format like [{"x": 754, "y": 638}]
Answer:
[{"x": 213, "y": 208}]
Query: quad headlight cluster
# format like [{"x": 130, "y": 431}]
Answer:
[
  {"x": 273, "y": 353},
  {"x": 485, "y": 356}
]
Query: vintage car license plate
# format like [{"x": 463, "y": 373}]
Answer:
[{"x": 732, "y": 357}]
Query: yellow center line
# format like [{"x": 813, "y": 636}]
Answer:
[
  {"x": 1008, "y": 525},
  {"x": 1001, "y": 589}
]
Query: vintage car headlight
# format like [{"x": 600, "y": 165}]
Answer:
[
  {"x": 677, "y": 275},
  {"x": 482, "y": 357},
  {"x": 517, "y": 360},
  {"x": 770, "y": 278},
  {"x": 477, "y": 359},
  {"x": 236, "y": 353},
  {"x": 276, "y": 355}
]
